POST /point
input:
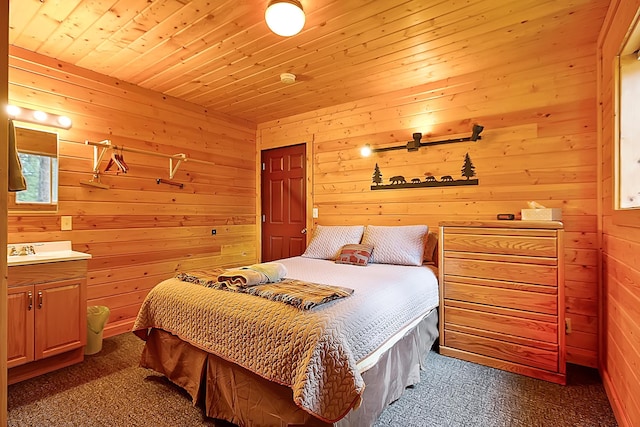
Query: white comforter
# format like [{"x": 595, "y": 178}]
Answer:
[{"x": 381, "y": 291}]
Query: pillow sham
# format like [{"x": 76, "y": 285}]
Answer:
[
  {"x": 355, "y": 254},
  {"x": 402, "y": 245},
  {"x": 327, "y": 240}
]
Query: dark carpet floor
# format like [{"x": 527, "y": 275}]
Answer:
[{"x": 109, "y": 389}]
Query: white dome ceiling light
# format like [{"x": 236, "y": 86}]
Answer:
[{"x": 285, "y": 17}]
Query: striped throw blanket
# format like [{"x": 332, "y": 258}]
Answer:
[{"x": 298, "y": 293}]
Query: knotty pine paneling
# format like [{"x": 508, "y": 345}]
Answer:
[
  {"x": 139, "y": 232},
  {"x": 221, "y": 55},
  {"x": 620, "y": 294},
  {"x": 539, "y": 143},
  {"x": 4, "y": 36}
]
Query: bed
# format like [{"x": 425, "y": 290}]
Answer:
[{"x": 256, "y": 362}]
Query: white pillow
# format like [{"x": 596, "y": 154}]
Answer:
[
  {"x": 328, "y": 240},
  {"x": 402, "y": 245}
]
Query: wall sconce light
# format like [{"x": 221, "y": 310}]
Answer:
[
  {"x": 285, "y": 17},
  {"x": 23, "y": 114},
  {"x": 415, "y": 144},
  {"x": 365, "y": 151}
]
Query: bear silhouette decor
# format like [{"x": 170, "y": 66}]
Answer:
[{"x": 399, "y": 181}]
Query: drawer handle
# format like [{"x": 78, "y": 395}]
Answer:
[
  {"x": 30, "y": 294},
  {"x": 39, "y": 299}
]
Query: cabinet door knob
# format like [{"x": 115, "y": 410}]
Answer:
[
  {"x": 30, "y": 294},
  {"x": 39, "y": 299}
]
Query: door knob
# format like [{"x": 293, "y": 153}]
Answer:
[{"x": 303, "y": 231}]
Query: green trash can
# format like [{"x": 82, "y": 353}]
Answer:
[{"x": 97, "y": 317}]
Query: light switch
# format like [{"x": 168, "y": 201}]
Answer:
[
  {"x": 314, "y": 212},
  {"x": 65, "y": 223}
]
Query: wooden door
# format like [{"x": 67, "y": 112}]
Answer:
[
  {"x": 284, "y": 193},
  {"x": 20, "y": 321},
  {"x": 60, "y": 317}
]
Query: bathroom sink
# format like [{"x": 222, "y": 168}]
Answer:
[{"x": 44, "y": 252}]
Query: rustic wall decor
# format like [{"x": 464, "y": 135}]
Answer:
[
  {"x": 415, "y": 144},
  {"x": 399, "y": 181}
]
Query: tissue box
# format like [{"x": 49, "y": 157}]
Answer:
[{"x": 546, "y": 214}]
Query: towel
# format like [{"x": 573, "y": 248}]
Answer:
[
  {"x": 273, "y": 270},
  {"x": 240, "y": 278},
  {"x": 237, "y": 279},
  {"x": 16, "y": 179}
]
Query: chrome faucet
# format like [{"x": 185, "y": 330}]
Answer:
[{"x": 27, "y": 250}]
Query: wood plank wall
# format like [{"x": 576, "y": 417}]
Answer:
[
  {"x": 539, "y": 143},
  {"x": 139, "y": 232},
  {"x": 620, "y": 360},
  {"x": 4, "y": 66}
]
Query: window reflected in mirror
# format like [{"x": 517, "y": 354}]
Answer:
[{"x": 38, "y": 153}]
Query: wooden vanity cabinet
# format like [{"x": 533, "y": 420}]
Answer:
[
  {"x": 46, "y": 317},
  {"x": 502, "y": 295}
]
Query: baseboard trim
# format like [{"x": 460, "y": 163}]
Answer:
[{"x": 118, "y": 328}]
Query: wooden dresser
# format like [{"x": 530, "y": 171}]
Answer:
[{"x": 502, "y": 295}]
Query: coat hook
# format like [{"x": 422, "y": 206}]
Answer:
[{"x": 166, "y": 181}]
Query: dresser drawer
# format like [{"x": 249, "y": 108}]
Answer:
[
  {"x": 512, "y": 325},
  {"x": 497, "y": 244},
  {"x": 511, "y": 271},
  {"x": 501, "y": 297},
  {"x": 502, "y": 350}
]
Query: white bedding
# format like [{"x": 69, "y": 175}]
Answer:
[{"x": 415, "y": 287}]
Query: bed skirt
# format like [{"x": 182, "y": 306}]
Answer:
[{"x": 232, "y": 393}]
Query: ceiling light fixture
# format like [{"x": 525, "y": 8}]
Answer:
[{"x": 285, "y": 17}]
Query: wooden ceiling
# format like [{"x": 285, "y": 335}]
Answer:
[{"x": 221, "y": 55}]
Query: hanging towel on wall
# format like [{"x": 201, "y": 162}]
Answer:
[{"x": 16, "y": 179}]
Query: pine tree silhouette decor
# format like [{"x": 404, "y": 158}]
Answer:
[
  {"x": 377, "y": 176},
  {"x": 468, "y": 170}
]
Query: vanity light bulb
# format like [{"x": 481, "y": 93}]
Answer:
[
  {"x": 12, "y": 110},
  {"x": 40, "y": 116},
  {"x": 64, "y": 121},
  {"x": 365, "y": 151}
]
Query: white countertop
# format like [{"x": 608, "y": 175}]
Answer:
[{"x": 44, "y": 252}]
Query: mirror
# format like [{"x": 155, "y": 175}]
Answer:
[{"x": 38, "y": 153}]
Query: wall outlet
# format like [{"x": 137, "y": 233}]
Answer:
[
  {"x": 567, "y": 325},
  {"x": 314, "y": 212},
  {"x": 213, "y": 231},
  {"x": 65, "y": 223}
]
